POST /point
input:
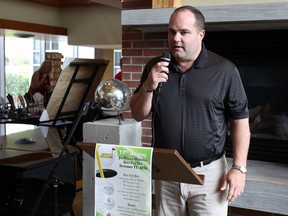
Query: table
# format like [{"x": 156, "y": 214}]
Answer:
[{"x": 26, "y": 160}]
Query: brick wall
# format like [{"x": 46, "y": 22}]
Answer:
[{"x": 137, "y": 48}]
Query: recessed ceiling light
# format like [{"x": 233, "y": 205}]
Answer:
[{"x": 24, "y": 35}]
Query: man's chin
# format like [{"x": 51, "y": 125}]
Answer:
[{"x": 178, "y": 55}]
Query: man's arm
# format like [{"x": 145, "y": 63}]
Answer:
[
  {"x": 235, "y": 179},
  {"x": 141, "y": 104},
  {"x": 240, "y": 137}
]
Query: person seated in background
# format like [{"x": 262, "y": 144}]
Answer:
[
  {"x": 119, "y": 74},
  {"x": 40, "y": 81}
]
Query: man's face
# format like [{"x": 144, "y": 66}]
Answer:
[{"x": 183, "y": 37}]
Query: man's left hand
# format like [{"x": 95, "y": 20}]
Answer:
[{"x": 234, "y": 181}]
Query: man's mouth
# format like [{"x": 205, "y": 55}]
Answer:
[{"x": 178, "y": 47}]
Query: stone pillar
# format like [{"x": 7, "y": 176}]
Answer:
[{"x": 107, "y": 131}]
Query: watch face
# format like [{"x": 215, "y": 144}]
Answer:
[{"x": 243, "y": 169}]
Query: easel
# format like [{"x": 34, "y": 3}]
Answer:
[
  {"x": 75, "y": 86},
  {"x": 72, "y": 97}
]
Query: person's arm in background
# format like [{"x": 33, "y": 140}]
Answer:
[
  {"x": 240, "y": 137},
  {"x": 36, "y": 82},
  {"x": 48, "y": 84}
]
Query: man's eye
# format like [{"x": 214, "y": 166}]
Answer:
[{"x": 184, "y": 33}]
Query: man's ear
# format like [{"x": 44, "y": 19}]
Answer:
[{"x": 202, "y": 34}]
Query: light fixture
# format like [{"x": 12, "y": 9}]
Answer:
[{"x": 24, "y": 35}]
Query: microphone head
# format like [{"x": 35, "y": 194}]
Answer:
[{"x": 166, "y": 56}]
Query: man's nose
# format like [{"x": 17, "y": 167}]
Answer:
[{"x": 177, "y": 37}]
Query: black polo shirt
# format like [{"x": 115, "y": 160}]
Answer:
[{"x": 191, "y": 112}]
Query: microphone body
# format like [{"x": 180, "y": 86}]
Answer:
[{"x": 166, "y": 57}]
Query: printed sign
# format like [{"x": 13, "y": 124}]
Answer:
[{"x": 123, "y": 180}]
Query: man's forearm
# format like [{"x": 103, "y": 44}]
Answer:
[
  {"x": 141, "y": 104},
  {"x": 240, "y": 136}
]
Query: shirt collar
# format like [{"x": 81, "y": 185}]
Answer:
[{"x": 200, "y": 62}]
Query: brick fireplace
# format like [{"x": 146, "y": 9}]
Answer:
[{"x": 261, "y": 59}]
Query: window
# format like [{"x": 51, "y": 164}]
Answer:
[
  {"x": 117, "y": 58},
  {"x": 18, "y": 64},
  {"x": 36, "y": 54},
  {"x": 23, "y": 56},
  {"x": 2, "y": 74},
  {"x": 86, "y": 52},
  {"x": 2, "y": 78}
]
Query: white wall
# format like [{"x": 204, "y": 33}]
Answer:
[
  {"x": 29, "y": 12},
  {"x": 99, "y": 26},
  {"x": 87, "y": 26}
]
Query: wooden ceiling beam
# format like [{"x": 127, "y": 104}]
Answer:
[
  {"x": 64, "y": 3},
  {"x": 32, "y": 27},
  {"x": 137, "y": 4}
]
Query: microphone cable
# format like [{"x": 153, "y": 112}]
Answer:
[{"x": 166, "y": 57}]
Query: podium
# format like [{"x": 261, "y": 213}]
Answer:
[{"x": 167, "y": 164}]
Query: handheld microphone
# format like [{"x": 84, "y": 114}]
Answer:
[{"x": 166, "y": 57}]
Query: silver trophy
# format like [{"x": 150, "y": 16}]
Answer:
[{"x": 113, "y": 97}]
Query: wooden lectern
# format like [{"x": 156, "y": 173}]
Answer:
[{"x": 167, "y": 164}]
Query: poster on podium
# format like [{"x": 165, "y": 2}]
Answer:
[{"x": 123, "y": 180}]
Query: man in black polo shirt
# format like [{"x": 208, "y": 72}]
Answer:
[{"x": 192, "y": 99}]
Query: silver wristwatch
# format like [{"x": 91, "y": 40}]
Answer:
[{"x": 242, "y": 169}]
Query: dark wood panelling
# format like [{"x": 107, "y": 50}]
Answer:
[
  {"x": 32, "y": 27},
  {"x": 64, "y": 3}
]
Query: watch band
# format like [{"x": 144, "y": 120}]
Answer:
[
  {"x": 242, "y": 169},
  {"x": 146, "y": 89}
]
